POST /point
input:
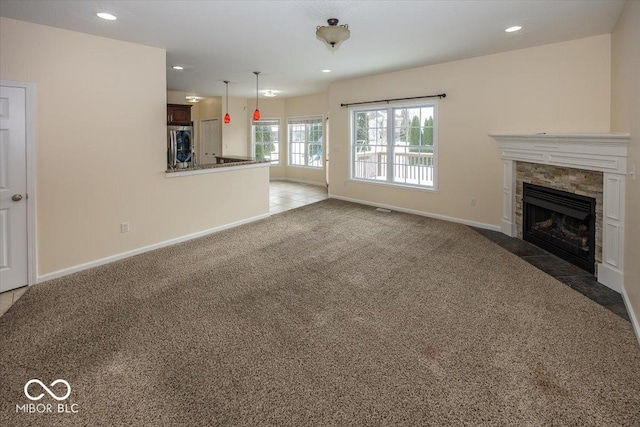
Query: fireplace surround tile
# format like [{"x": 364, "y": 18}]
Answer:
[{"x": 575, "y": 181}]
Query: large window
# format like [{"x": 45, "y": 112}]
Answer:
[
  {"x": 305, "y": 141},
  {"x": 266, "y": 140},
  {"x": 395, "y": 145}
]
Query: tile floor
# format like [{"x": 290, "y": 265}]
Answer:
[
  {"x": 7, "y": 299},
  {"x": 563, "y": 271},
  {"x": 285, "y": 195}
]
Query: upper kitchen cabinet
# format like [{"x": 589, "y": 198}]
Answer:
[{"x": 178, "y": 114}]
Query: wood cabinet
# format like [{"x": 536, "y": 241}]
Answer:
[{"x": 178, "y": 114}]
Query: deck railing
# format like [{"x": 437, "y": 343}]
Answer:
[{"x": 412, "y": 168}]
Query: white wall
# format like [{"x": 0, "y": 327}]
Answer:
[
  {"x": 101, "y": 149},
  {"x": 625, "y": 117},
  {"x": 562, "y": 87}
]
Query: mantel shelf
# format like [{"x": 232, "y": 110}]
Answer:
[{"x": 569, "y": 138}]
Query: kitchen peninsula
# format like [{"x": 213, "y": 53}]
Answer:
[{"x": 223, "y": 163}]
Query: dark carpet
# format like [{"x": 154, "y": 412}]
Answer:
[{"x": 330, "y": 314}]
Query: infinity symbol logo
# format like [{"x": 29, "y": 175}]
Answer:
[{"x": 52, "y": 394}]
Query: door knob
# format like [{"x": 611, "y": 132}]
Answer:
[{"x": 16, "y": 197}]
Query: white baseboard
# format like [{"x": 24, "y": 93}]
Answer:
[
  {"x": 420, "y": 213},
  {"x": 632, "y": 314},
  {"x": 300, "y": 181},
  {"x": 112, "y": 258}
]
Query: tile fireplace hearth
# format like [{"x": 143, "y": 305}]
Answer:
[{"x": 562, "y": 159}]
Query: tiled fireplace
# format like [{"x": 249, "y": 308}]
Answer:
[
  {"x": 579, "y": 182},
  {"x": 589, "y": 166}
]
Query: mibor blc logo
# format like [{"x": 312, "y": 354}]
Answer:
[{"x": 35, "y": 390}]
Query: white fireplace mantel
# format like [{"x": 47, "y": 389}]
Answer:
[{"x": 606, "y": 153}]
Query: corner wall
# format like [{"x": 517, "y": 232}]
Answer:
[
  {"x": 625, "y": 117},
  {"x": 283, "y": 109},
  {"x": 309, "y": 105},
  {"x": 101, "y": 149},
  {"x": 561, "y": 87}
]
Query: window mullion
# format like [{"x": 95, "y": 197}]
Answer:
[
  {"x": 307, "y": 136},
  {"x": 390, "y": 145}
]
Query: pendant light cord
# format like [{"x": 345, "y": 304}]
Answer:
[
  {"x": 226, "y": 82},
  {"x": 256, "y": 114}
]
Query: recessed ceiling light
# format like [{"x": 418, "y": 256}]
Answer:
[
  {"x": 326, "y": 71},
  {"x": 107, "y": 16},
  {"x": 191, "y": 98},
  {"x": 269, "y": 93},
  {"x": 178, "y": 67},
  {"x": 513, "y": 29}
]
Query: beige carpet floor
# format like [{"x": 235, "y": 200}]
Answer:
[{"x": 330, "y": 314}]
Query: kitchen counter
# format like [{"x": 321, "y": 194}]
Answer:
[{"x": 223, "y": 163}]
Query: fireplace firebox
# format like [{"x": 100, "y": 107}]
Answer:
[{"x": 561, "y": 223}]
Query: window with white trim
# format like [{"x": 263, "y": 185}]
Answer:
[
  {"x": 396, "y": 145},
  {"x": 305, "y": 141},
  {"x": 266, "y": 140}
]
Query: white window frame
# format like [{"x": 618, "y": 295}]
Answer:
[
  {"x": 279, "y": 143},
  {"x": 306, "y": 143},
  {"x": 390, "y": 133}
]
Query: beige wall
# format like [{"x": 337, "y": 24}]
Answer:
[
  {"x": 284, "y": 108},
  {"x": 235, "y": 134},
  {"x": 625, "y": 117},
  {"x": 210, "y": 108},
  {"x": 177, "y": 97},
  {"x": 562, "y": 87},
  {"x": 101, "y": 149}
]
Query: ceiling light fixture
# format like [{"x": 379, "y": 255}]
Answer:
[
  {"x": 227, "y": 117},
  {"x": 513, "y": 29},
  {"x": 256, "y": 114},
  {"x": 106, "y": 16},
  {"x": 178, "y": 67},
  {"x": 326, "y": 71},
  {"x": 269, "y": 93},
  {"x": 333, "y": 33},
  {"x": 193, "y": 98}
]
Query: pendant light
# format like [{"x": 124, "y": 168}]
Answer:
[
  {"x": 227, "y": 117},
  {"x": 256, "y": 114}
]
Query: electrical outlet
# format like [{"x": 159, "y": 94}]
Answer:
[
  {"x": 473, "y": 201},
  {"x": 124, "y": 227}
]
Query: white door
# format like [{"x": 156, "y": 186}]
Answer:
[
  {"x": 13, "y": 188},
  {"x": 209, "y": 141}
]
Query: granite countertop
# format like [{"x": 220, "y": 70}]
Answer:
[{"x": 223, "y": 162}]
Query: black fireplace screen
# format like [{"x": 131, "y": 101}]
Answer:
[{"x": 561, "y": 223}]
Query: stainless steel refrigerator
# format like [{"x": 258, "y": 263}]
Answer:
[{"x": 180, "y": 147}]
